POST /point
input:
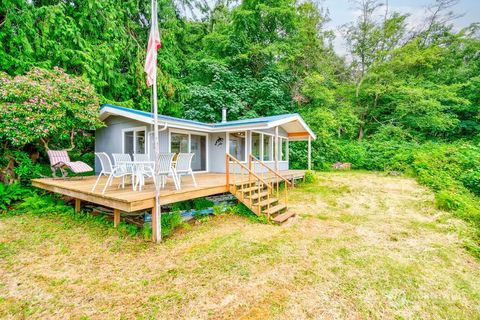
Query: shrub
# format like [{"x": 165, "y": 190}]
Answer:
[
  {"x": 9, "y": 194},
  {"x": 310, "y": 176},
  {"x": 447, "y": 201},
  {"x": 170, "y": 221}
]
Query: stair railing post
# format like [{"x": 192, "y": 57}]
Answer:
[{"x": 227, "y": 172}]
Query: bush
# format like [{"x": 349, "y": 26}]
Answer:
[
  {"x": 9, "y": 194},
  {"x": 170, "y": 221},
  {"x": 310, "y": 177}
]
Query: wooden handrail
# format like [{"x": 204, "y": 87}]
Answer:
[
  {"x": 229, "y": 156},
  {"x": 270, "y": 169}
]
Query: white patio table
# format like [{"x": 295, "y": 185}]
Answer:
[
  {"x": 138, "y": 170},
  {"x": 141, "y": 169}
]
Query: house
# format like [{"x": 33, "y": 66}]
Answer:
[
  {"x": 247, "y": 158},
  {"x": 266, "y": 138}
]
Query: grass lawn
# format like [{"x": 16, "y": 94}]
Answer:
[{"x": 362, "y": 246}]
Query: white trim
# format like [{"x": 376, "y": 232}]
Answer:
[
  {"x": 134, "y": 130},
  {"x": 270, "y": 134},
  {"x": 189, "y": 133},
  {"x": 290, "y": 119}
]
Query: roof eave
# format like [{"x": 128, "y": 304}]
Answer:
[{"x": 295, "y": 117}]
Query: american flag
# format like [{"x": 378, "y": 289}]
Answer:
[{"x": 153, "y": 45}]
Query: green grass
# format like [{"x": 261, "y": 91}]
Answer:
[{"x": 362, "y": 246}]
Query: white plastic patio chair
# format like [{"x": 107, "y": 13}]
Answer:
[
  {"x": 165, "y": 168},
  {"x": 184, "y": 167},
  {"x": 109, "y": 171},
  {"x": 125, "y": 161},
  {"x": 145, "y": 168}
]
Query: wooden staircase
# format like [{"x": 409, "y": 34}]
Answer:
[{"x": 265, "y": 192}]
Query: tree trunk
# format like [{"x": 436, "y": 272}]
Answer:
[{"x": 360, "y": 133}]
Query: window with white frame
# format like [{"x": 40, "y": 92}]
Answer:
[
  {"x": 237, "y": 145},
  {"x": 185, "y": 142},
  {"x": 134, "y": 140},
  {"x": 263, "y": 147},
  {"x": 267, "y": 147},
  {"x": 256, "y": 144},
  {"x": 283, "y": 149},
  {"x": 179, "y": 142}
]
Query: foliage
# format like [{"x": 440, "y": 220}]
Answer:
[
  {"x": 9, "y": 194},
  {"x": 44, "y": 108},
  {"x": 202, "y": 203},
  {"x": 310, "y": 177},
  {"x": 45, "y": 105},
  {"x": 170, "y": 221},
  {"x": 404, "y": 100},
  {"x": 243, "y": 211}
]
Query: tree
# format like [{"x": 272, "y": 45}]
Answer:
[{"x": 43, "y": 109}]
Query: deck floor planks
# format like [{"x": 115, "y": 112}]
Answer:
[{"x": 128, "y": 200}]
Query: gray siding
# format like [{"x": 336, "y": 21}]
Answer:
[
  {"x": 109, "y": 140},
  {"x": 217, "y": 150}
]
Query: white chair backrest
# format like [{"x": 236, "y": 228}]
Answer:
[
  {"x": 184, "y": 162},
  {"x": 105, "y": 162},
  {"x": 165, "y": 162},
  {"x": 141, "y": 157},
  {"x": 121, "y": 157}
]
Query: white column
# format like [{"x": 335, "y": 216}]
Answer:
[
  {"x": 309, "y": 153},
  {"x": 276, "y": 148}
]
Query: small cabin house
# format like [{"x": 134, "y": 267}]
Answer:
[{"x": 266, "y": 138}]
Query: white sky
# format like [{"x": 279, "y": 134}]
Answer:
[{"x": 342, "y": 12}]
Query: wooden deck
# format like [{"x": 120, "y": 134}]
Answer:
[{"x": 128, "y": 200}]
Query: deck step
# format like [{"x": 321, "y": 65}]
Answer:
[
  {"x": 266, "y": 202},
  {"x": 283, "y": 217},
  {"x": 275, "y": 209},
  {"x": 253, "y": 189},
  {"x": 257, "y": 195}
]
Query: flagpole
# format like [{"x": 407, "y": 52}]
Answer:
[{"x": 156, "y": 229}]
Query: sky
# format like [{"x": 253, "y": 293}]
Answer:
[{"x": 343, "y": 11}]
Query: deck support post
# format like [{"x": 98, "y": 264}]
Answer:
[
  {"x": 309, "y": 153},
  {"x": 116, "y": 217},
  {"x": 78, "y": 204}
]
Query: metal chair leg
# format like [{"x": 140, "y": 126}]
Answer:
[
  {"x": 109, "y": 181},
  {"x": 193, "y": 178},
  {"x": 96, "y": 182}
]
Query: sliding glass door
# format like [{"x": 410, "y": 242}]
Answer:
[
  {"x": 198, "y": 146},
  {"x": 191, "y": 143}
]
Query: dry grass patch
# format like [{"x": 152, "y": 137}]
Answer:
[{"x": 363, "y": 246}]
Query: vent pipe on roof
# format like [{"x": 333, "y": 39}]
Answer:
[{"x": 224, "y": 115}]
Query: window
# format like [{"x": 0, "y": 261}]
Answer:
[
  {"x": 267, "y": 147},
  {"x": 263, "y": 147},
  {"x": 283, "y": 149},
  {"x": 140, "y": 141},
  {"x": 134, "y": 140},
  {"x": 179, "y": 143},
  {"x": 237, "y": 145},
  {"x": 256, "y": 140}
]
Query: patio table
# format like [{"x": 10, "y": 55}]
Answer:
[{"x": 138, "y": 171}]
